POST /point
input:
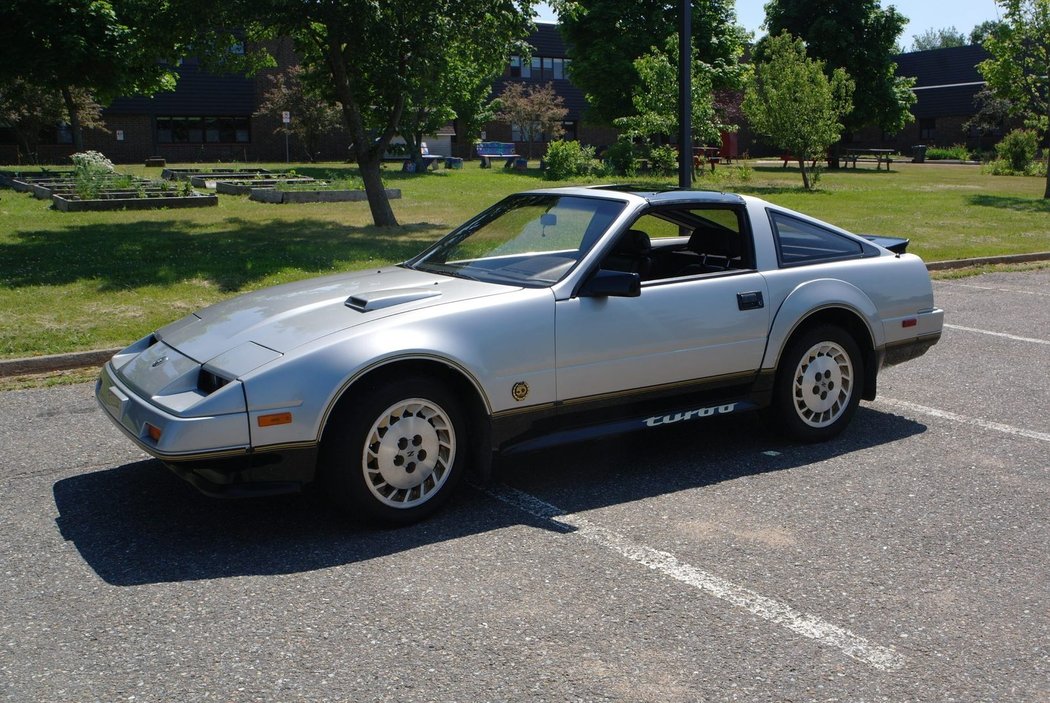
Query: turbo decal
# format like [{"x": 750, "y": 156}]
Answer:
[{"x": 658, "y": 420}]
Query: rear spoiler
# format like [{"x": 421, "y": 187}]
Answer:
[{"x": 897, "y": 245}]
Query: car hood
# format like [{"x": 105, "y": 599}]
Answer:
[{"x": 287, "y": 316}]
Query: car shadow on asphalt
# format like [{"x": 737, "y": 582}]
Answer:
[{"x": 138, "y": 523}]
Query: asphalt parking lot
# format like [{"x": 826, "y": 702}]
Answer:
[{"x": 904, "y": 561}]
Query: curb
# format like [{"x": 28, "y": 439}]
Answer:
[
  {"x": 988, "y": 260},
  {"x": 98, "y": 357},
  {"x": 55, "y": 362}
]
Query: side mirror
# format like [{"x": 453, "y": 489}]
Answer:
[{"x": 617, "y": 284}]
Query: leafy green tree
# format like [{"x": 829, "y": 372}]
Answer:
[
  {"x": 1020, "y": 64},
  {"x": 29, "y": 110},
  {"x": 860, "y": 37},
  {"x": 536, "y": 111},
  {"x": 311, "y": 115},
  {"x": 376, "y": 57},
  {"x": 606, "y": 36},
  {"x": 105, "y": 48},
  {"x": 982, "y": 31},
  {"x": 655, "y": 98},
  {"x": 942, "y": 38},
  {"x": 794, "y": 104}
]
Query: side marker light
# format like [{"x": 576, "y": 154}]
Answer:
[
  {"x": 910, "y": 322},
  {"x": 275, "y": 419}
]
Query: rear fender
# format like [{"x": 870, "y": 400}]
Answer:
[{"x": 809, "y": 299}]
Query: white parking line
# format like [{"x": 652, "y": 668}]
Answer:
[
  {"x": 977, "y": 422},
  {"x": 882, "y": 658},
  {"x": 1015, "y": 338}
]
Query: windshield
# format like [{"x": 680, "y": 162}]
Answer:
[{"x": 524, "y": 240}]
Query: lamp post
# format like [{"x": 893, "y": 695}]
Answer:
[{"x": 685, "y": 97}]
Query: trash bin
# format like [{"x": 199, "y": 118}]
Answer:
[{"x": 918, "y": 154}]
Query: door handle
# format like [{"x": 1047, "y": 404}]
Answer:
[{"x": 751, "y": 300}]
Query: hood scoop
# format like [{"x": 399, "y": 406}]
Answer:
[{"x": 377, "y": 300}]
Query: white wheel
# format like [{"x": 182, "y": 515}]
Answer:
[
  {"x": 818, "y": 383},
  {"x": 394, "y": 451},
  {"x": 409, "y": 453},
  {"x": 823, "y": 384}
]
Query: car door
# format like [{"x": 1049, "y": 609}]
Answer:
[{"x": 674, "y": 331}]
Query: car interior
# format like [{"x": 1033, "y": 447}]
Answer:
[{"x": 675, "y": 243}]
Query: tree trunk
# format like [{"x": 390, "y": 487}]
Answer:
[
  {"x": 805, "y": 173},
  {"x": 378, "y": 203},
  {"x": 74, "y": 119}
]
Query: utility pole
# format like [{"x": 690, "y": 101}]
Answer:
[{"x": 685, "y": 97}]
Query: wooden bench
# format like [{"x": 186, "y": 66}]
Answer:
[
  {"x": 790, "y": 158},
  {"x": 496, "y": 150}
]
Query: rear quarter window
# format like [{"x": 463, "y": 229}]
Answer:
[{"x": 801, "y": 242}]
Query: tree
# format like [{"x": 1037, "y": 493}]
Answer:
[
  {"x": 860, "y": 37},
  {"x": 604, "y": 38},
  {"x": 655, "y": 98},
  {"x": 943, "y": 38},
  {"x": 992, "y": 113},
  {"x": 311, "y": 115},
  {"x": 792, "y": 102},
  {"x": 29, "y": 110},
  {"x": 1020, "y": 64},
  {"x": 376, "y": 58},
  {"x": 536, "y": 110},
  {"x": 985, "y": 29},
  {"x": 104, "y": 48}
]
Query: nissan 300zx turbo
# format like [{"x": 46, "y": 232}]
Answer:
[{"x": 553, "y": 316}]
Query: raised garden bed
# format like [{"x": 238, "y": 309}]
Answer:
[
  {"x": 23, "y": 183},
  {"x": 129, "y": 200},
  {"x": 244, "y": 187},
  {"x": 175, "y": 174},
  {"x": 277, "y": 197}
]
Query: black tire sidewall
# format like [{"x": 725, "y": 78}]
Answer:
[
  {"x": 342, "y": 475},
  {"x": 787, "y": 417}
]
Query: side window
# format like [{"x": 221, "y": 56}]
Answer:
[
  {"x": 656, "y": 227},
  {"x": 800, "y": 242}
]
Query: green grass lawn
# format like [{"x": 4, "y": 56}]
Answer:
[{"x": 95, "y": 280}]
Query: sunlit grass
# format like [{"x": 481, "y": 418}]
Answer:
[{"x": 96, "y": 280}]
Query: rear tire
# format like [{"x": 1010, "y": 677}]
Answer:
[
  {"x": 396, "y": 452},
  {"x": 819, "y": 384}
]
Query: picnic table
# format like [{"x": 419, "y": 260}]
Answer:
[
  {"x": 706, "y": 155},
  {"x": 879, "y": 156},
  {"x": 496, "y": 150}
]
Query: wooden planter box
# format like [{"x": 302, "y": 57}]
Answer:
[
  {"x": 152, "y": 201},
  {"x": 277, "y": 197},
  {"x": 245, "y": 187}
]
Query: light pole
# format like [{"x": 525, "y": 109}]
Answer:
[{"x": 685, "y": 97}]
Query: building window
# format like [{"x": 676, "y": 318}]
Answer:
[
  {"x": 544, "y": 68},
  {"x": 203, "y": 130},
  {"x": 928, "y": 128},
  {"x": 519, "y": 68},
  {"x": 570, "y": 130}
]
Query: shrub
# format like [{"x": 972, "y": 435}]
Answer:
[
  {"x": 91, "y": 171},
  {"x": 621, "y": 158},
  {"x": 1018, "y": 149},
  {"x": 664, "y": 160},
  {"x": 957, "y": 151},
  {"x": 568, "y": 159}
]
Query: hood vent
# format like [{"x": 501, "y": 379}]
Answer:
[{"x": 377, "y": 300}]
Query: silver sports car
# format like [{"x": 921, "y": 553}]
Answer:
[{"x": 553, "y": 316}]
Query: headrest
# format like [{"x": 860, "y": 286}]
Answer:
[{"x": 633, "y": 242}]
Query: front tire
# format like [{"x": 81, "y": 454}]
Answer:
[
  {"x": 395, "y": 453},
  {"x": 818, "y": 384}
]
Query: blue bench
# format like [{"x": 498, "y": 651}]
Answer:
[{"x": 496, "y": 150}]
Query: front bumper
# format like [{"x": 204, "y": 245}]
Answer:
[{"x": 213, "y": 453}]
